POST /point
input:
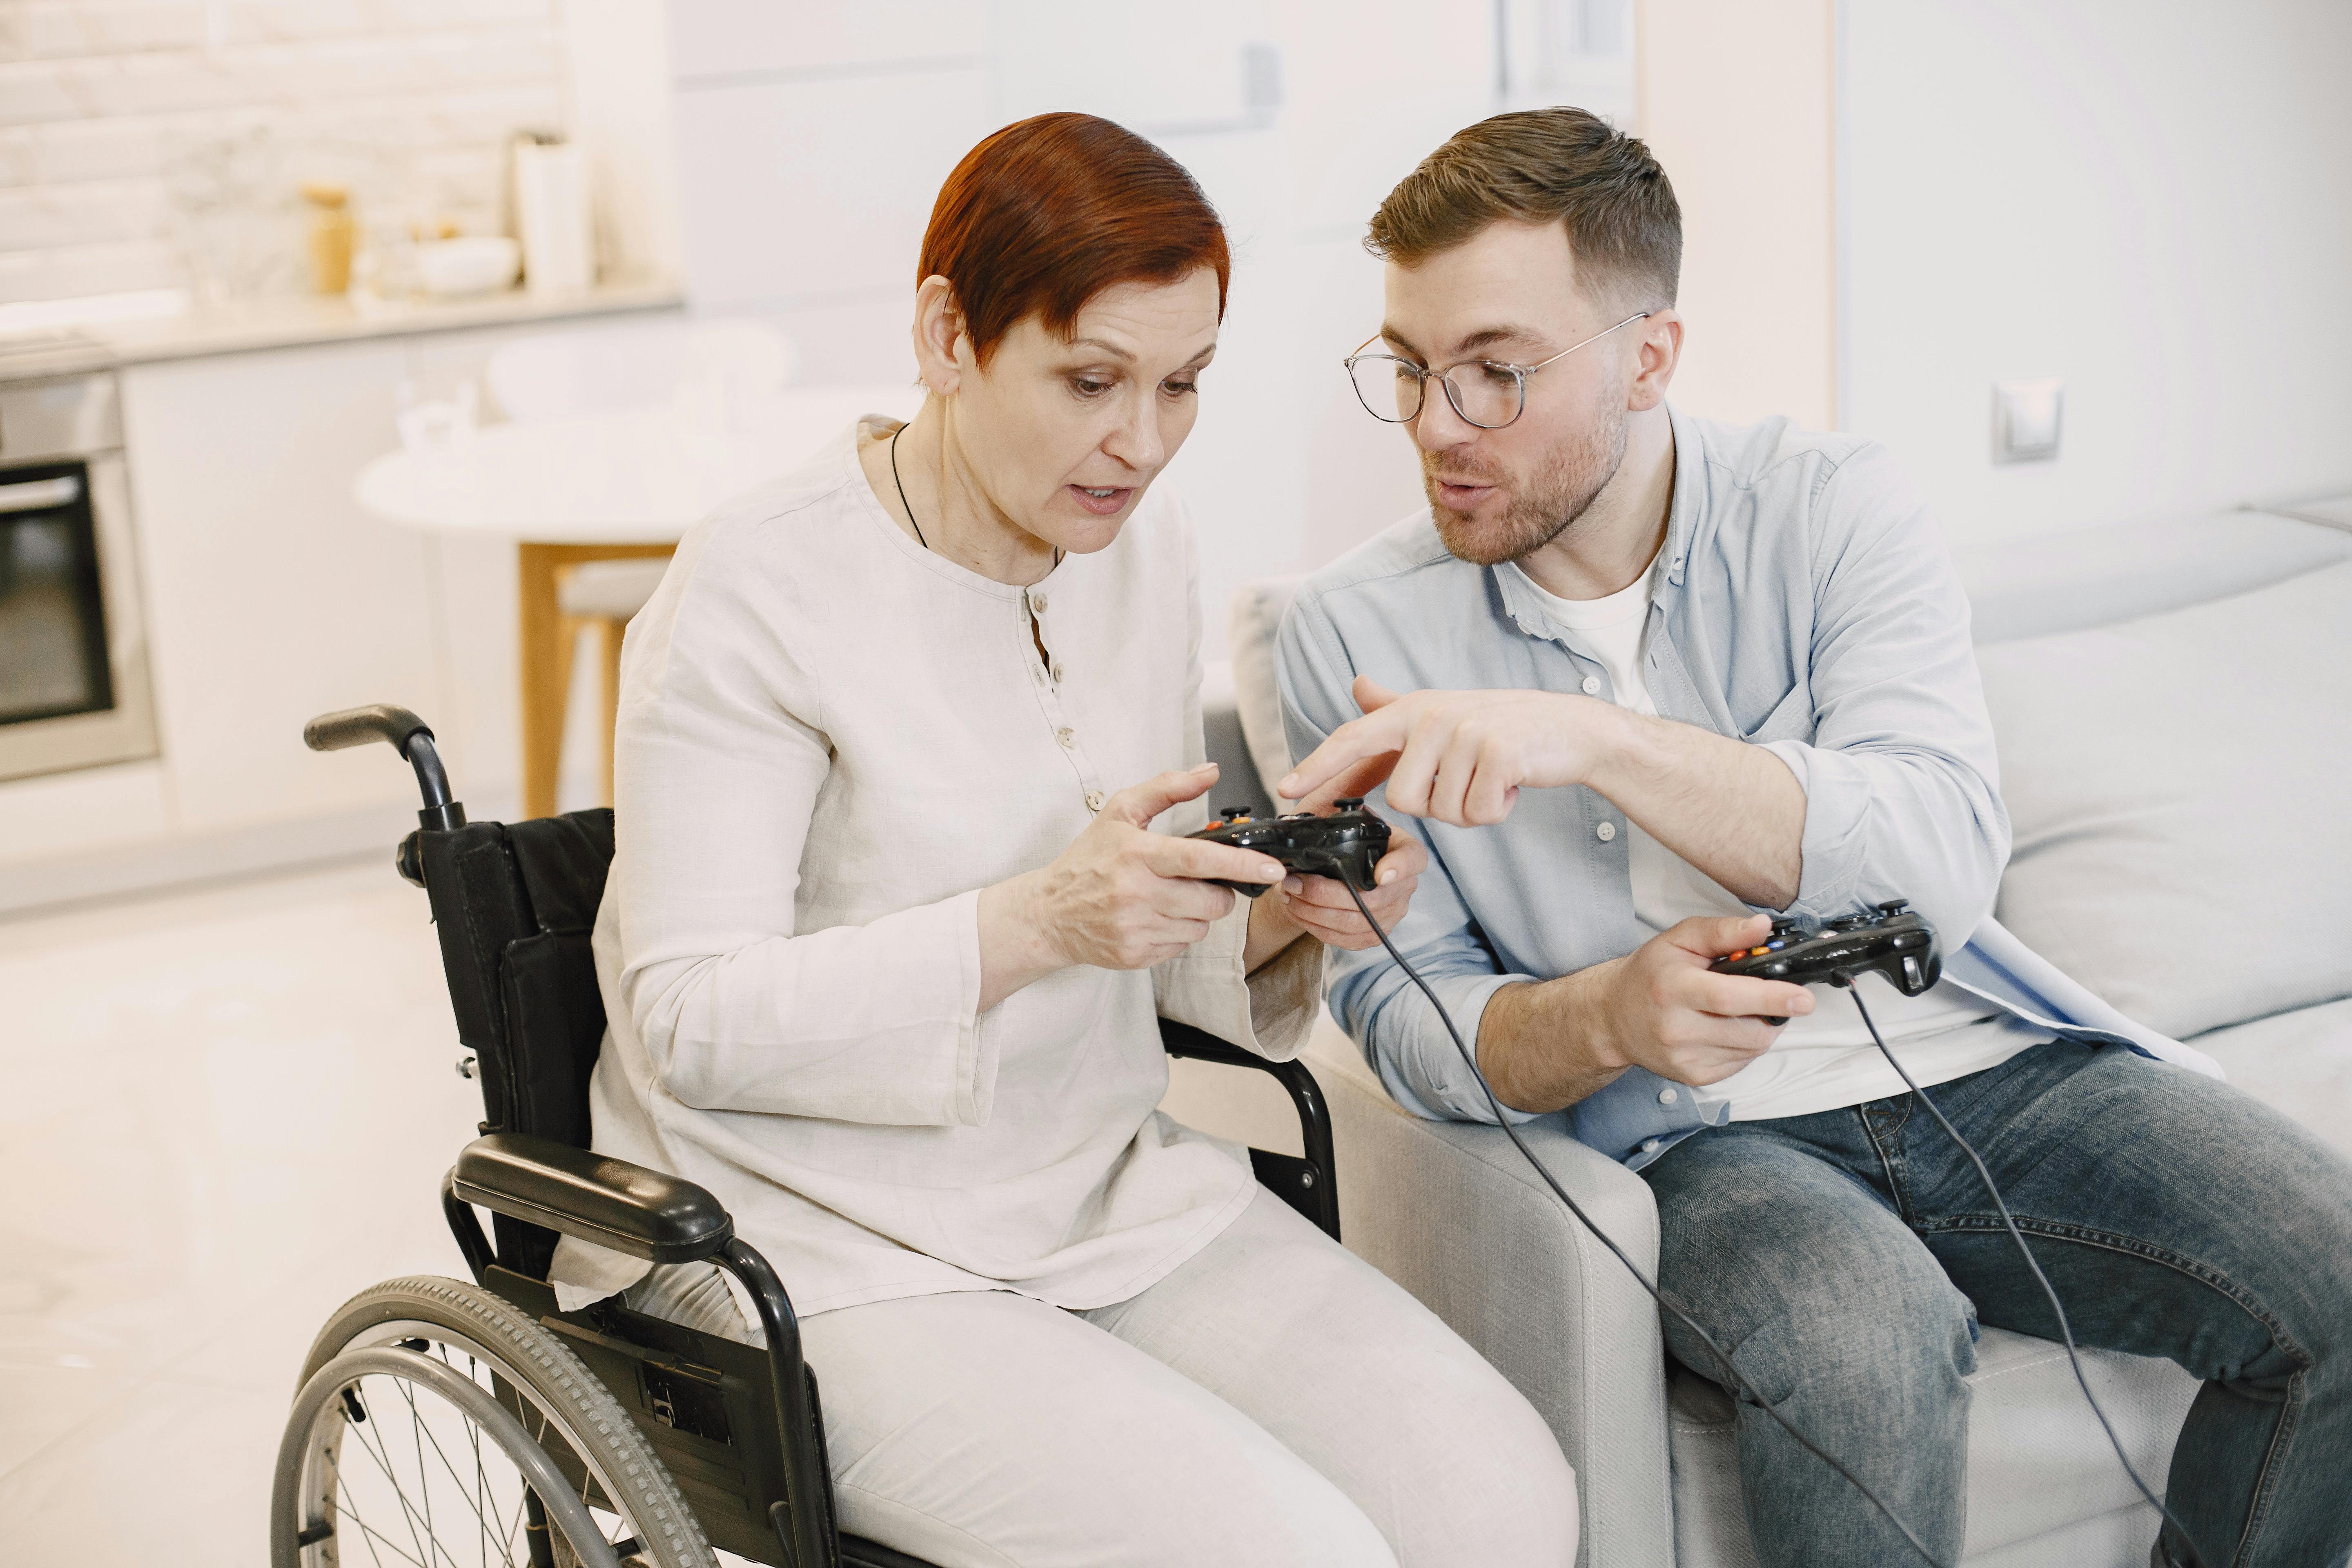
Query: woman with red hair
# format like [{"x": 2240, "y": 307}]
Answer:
[{"x": 908, "y": 741}]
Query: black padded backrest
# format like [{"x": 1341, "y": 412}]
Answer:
[{"x": 514, "y": 904}]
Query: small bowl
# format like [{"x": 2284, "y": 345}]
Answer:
[{"x": 475, "y": 264}]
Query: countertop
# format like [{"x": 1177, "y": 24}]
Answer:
[{"x": 290, "y": 321}]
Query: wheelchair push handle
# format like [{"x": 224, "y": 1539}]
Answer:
[
  {"x": 404, "y": 733},
  {"x": 358, "y": 726}
]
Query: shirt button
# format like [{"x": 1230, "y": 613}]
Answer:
[
  {"x": 1037, "y": 603},
  {"x": 1650, "y": 1146},
  {"x": 1605, "y": 832},
  {"x": 1591, "y": 685},
  {"x": 1057, "y": 672},
  {"x": 1068, "y": 737},
  {"x": 1669, "y": 1094},
  {"x": 1094, "y": 800}
]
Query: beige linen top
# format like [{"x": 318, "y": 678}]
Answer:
[{"x": 830, "y": 740}]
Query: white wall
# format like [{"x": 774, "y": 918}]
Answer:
[
  {"x": 160, "y": 144},
  {"x": 1735, "y": 102},
  {"x": 2151, "y": 198},
  {"x": 812, "y": 140}
]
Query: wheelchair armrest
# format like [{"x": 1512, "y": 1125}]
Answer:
[
  {"x": 597, "y": 1199},
  {"x": 1315, "y": 1191}
]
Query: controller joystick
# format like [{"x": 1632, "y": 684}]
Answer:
[
  {"x": 1889, "y": 940},
  {"x": 1345, "y": 845}
]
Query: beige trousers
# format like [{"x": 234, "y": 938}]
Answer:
[{"x": 1274, "y": 1401}]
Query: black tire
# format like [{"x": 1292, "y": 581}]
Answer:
[{"x": 488, "y": 1339}]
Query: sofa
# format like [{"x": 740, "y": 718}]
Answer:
[{"x": 2174, "y": 712}]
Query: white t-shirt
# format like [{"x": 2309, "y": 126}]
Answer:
[{"x": 1826, "y": 1060}]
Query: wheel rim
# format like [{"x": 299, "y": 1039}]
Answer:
[{"x": 443, "y": 1468}]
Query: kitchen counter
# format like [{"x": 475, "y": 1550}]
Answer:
[{"x": 298, "y": 319}]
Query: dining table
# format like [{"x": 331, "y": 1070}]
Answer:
[{"x": 616, "y": 484}]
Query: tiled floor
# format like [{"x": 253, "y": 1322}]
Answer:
[{"x": 227, "y": 1111}]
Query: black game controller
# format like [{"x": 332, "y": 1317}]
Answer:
[
  {"x": 1346, "y": 844},
  {"x": 1890, "y": 939}
]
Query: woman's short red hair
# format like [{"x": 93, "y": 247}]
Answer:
[{"x": 1048, "y": 212}]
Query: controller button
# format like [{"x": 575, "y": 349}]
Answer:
[
  {"x": 1231, "y": 813},
  {"x": 1776, "y": 944},
  {"x": 1605, "y": 832},
  {"x": 1349, "y": 802},
  {"x": 1777, "y": 969},
  {"x": 1668, "y": 1095}
]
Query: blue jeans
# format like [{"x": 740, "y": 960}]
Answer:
[{"x": 1840, "y": 1259}]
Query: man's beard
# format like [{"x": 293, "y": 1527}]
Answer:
[{"x": 1541, "y": 510}]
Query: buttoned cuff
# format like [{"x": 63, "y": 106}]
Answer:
[{"x": 1434, "y": 1082}]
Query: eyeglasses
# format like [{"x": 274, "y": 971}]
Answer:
[{"x": 1483, "y": 393}]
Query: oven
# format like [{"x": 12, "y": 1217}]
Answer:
[{"x": 74, "y": 688}]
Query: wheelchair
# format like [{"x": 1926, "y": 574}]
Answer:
[{"x": 439, "y": 1422}]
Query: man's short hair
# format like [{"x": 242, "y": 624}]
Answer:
[{"x": 1546, "y": 166}]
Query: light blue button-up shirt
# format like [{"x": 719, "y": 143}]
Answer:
[{"x": 1804, "y": 604}]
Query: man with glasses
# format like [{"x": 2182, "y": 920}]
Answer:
[{"x": 1646, "y": 677}]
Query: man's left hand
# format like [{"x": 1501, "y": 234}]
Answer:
[{"x": 1461, "y": 757}]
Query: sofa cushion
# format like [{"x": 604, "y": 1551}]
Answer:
[
  {"x": 2175, "y": 784},
  {"x": 2299, "y": 1063},
  {"x": 2335, "y": 511},
  {"x": 1251, "y": 623},
  {"x": 2038, "y": 1463},
  {"x": 2092, "y": 576}
]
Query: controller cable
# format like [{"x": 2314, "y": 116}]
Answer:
[
  {"x": 1844, "y": 978},
  {"x": 1754, "y": 1396}
]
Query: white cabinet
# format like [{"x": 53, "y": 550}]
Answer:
[{"x": 271, "y": 597}]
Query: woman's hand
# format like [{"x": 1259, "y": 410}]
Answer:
[
  {"x": 1120, "y": 897},
  {"x": 1321, "y": 907}
]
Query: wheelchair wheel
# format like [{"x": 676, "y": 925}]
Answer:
[{"x": 438, "y": 1426}]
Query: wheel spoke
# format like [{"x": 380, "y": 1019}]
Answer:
[
  {"x": 368, "y": 1532},
  {"x": 473, "y": 1502},
  {"x": 423, "y": 1476},
  {"x": 383, "y": 1464}
]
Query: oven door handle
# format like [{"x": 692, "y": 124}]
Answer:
[{"x": 39, "y": 495}]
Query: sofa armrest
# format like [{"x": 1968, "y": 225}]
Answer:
[{"x": 1451, "y": 1212}]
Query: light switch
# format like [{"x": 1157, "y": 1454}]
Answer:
[{"x": 2026, "y": 415}]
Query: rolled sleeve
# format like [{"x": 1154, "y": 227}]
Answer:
[
  {"x": 1271, "y": 1012},
  {"x": 1901, "y": 788}
]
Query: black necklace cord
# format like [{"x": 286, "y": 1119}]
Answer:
[
  {"x": 1723, "y": 1360},
  {"x": 1845, "y": 978},
  {"x": 895, "y": 480}
]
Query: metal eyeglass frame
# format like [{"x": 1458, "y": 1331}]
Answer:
[{"x": 1519, "y": 373}]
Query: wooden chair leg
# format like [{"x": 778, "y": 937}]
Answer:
[
  {"x": 610, "y": 632},
  {"x": 546, "y": 664}
]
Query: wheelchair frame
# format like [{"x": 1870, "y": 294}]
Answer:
[{"x": 741, "y": 1430}]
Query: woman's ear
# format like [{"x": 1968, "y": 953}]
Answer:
[{"x": 939, "y": 335}]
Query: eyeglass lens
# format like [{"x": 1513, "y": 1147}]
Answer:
[{"x": 1486, "y": 396}]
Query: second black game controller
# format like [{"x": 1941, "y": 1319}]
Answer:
[
  {"x": 1889, "y": 940},
  {"x": 1345, "y": 845}
]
